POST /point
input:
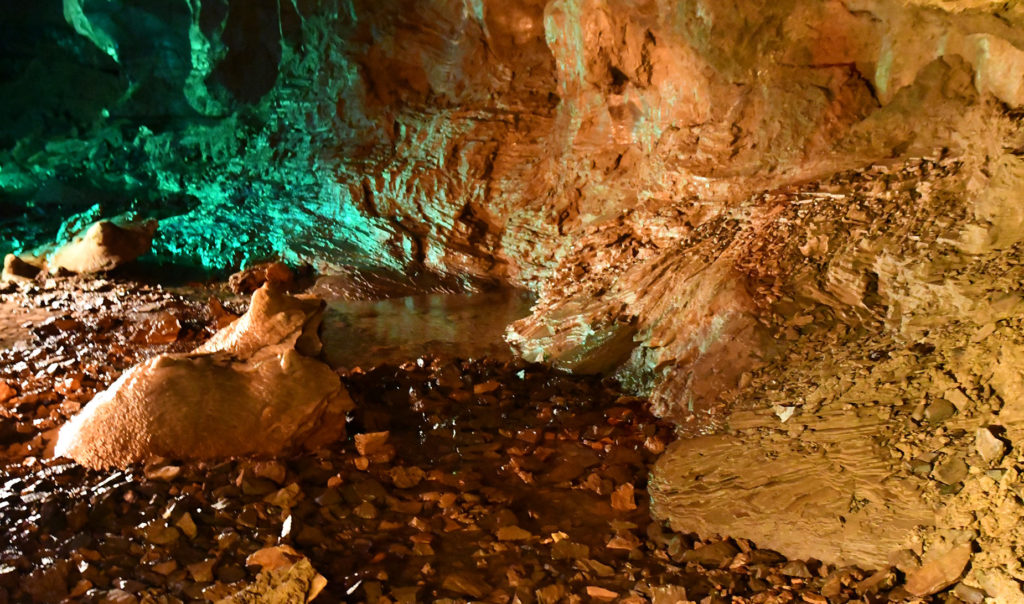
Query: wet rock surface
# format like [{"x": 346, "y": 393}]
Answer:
[
  {"x": 396, "y": 329},
  {"x": 803, "y": 214},
  {"x": 534, "y": 489},
  {"x": 463, "y": 480},
  {"x": 68, "y": 339},
  {"x": 254, "y": 388}
]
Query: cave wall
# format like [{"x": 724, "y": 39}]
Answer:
[
  {"x": 619, "y": 157},
  {"x": 777, "y": 208},
  {"x": 447, "y": 134}
]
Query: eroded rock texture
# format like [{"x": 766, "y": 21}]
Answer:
[
  {"x": 609, "y": 154},
  {"x": 254, "y": 388},
  {"x": 716, "y": 201}
]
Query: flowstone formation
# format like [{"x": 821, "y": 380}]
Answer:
[{"x": 254, "y": 388}]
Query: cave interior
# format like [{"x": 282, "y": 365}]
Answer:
[{"x": 385, "y": 301}]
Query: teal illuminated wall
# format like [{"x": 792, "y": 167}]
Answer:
[{"x": 247, "y": 128}]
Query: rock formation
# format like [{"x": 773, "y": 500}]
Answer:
[
  {"x": 793, "y": 209},
  {"x": 255, "y": 388},
  {"x": 18, "y": 268},
  {"x": 103, "y": 246},
  {"x": 578, "y": 148}
]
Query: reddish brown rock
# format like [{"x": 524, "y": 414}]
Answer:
[
  {"x": 254, "y": 277},
  {"x": 939, "y": 572}
]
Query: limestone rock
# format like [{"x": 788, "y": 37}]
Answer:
[
  {"x": 940, "y": 572},
  {"x": 254, "y": 277},
  {"x": 295, "y": 583},
  {"x": 989, "y": 446},
  {"x": 951, "y": 471},
  {"x": 18, "y": 268},
  {"x": 255, "y": 388},
  {"x": 841, "y": 507},
  {"x": 104, "y": 246},
  {"x": 939, "y": 411}
]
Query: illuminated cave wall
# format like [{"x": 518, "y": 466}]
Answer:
[
  {"x": 470, "y": 138},
  {"x": 332, "y": 133},
  {"x": 634, "y": 162}
]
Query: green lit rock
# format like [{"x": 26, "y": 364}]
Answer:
[{"x": 103, "y": 246}]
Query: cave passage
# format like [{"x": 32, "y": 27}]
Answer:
[{"x": 515, "y": 302}]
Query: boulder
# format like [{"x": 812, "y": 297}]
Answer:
[
  {"x": 104, "y": 246},
  {"x": 255, "y": 388},
  {"x": 18, "y": 268}
]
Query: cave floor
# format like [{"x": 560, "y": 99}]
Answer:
[{"x": 461, "y": 480}]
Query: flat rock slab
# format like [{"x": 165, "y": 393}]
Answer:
[{"x": 829, "y": 494}]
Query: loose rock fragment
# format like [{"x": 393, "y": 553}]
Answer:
[
  {"x": 249, "y": 280},
  {"x": 939, "y": 411},
  {"x": 17, "y": 268},
  {"x": 987, "y": 444},
  {"x": 513, "y": 533},
  {"x": 970, "y": 595},
  {"x": 600, "y": 593},
  {"x": 375, "y": 447},
  {"x": 951, "y": 471},
  {"x": 466, "y": 583},
  {"x": 715, "y": 555},
  {"x": 295, "y": 583},
  {"x": 273, "y": 558},
  {"x": 940, "y": 572},
  {"x": 622, "y": 498},
  {"x": 7, "y": 392},
  {"x": 187, "y": 525}
]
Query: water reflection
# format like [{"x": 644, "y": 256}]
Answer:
[{"x": 367, "y": 333}]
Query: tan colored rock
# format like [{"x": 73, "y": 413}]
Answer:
[
  {"x": 19, "y": 268},
  {"x": 104, "y": 246},
  {"x": 940, "y": 572},
  {"x": 255, "y": 388},
  {"x": 374, "y": 444},
  {"x": 989, "y": 446},
  {"x": 295, "y": 583},
  {"x": 843, "y": 507},
  {"x": 254, "y": 277},
  {"x": 951, "y": 471},
  {"x": 273, "y": 558}
]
